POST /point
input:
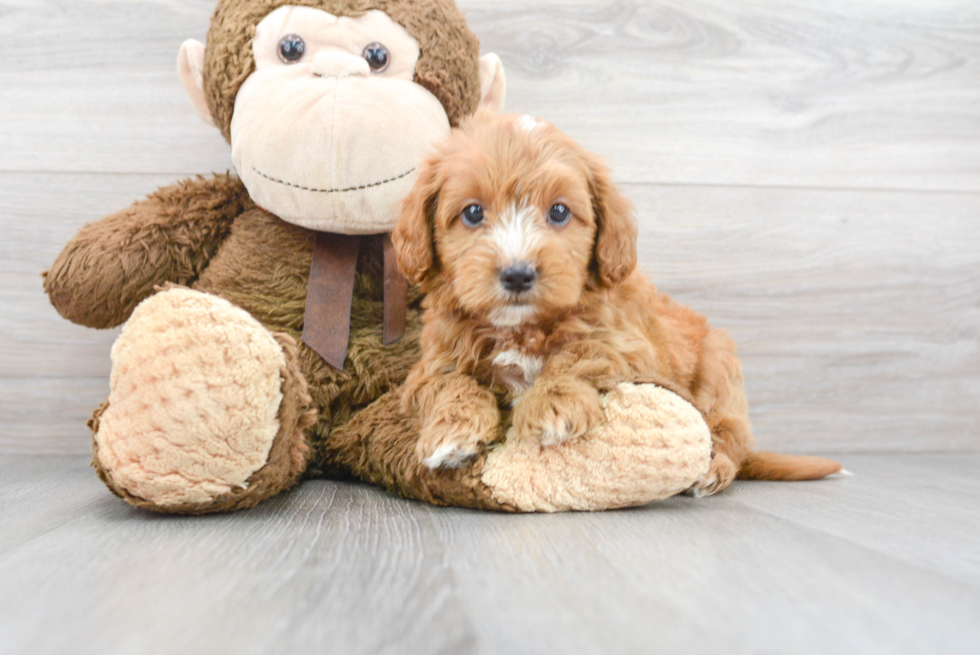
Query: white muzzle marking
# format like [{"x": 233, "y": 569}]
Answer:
[{"x": 516, "y": 236}]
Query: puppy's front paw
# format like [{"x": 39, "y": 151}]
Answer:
[
  {"x": 555, "y": 411},
  {"x": 720, "y": 474},
  {"x": 454, "y": 436}
]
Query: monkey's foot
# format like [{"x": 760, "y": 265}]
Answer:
[
  {"x": 649, "y": 444},
  {"x": 206, "y": 411}
]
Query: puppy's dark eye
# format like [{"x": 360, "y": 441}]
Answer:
[
  {"x": 473, "y": 215},
  {"x": 377, "y": 57},
  {"x": 559, "y": 214},
  {"x": 291, "y": 48}
]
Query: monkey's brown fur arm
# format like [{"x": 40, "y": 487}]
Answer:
[{"x": 114, "y": 263}]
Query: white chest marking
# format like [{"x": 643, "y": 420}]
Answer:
[
  {"x": 529, "y": 366},
  {"x": 511, "y": 315}
]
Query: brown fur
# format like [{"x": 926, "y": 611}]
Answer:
[
  {"x": 594, "y": 320},
  {"x": 113, "y": 264},
  {"x": 448, "y": 65},
  {"x": 763, "y": 465},
  {"x": 252, "y": 272},
  {"x": 207, "y": 234},
  {"x": 379, "y": 445},
  {"x": 262, "y": 265}
]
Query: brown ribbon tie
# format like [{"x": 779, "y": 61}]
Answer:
[
  {"x": 395, "y": 295},
  {"x": 330, "y": 293}
]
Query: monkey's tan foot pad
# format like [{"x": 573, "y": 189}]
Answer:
[
  {"x": 651, "y": 444},
  {"x": 194, "y": 405}
]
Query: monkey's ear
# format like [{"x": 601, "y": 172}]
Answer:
[
  {"x": 190, "y": 67},
  {"x": 493, "y": 83},
  {"x": 412, "y": 236},
  {"x": 615, "y": 243}
]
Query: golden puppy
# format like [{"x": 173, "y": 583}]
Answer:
[{"x": 527, "y": 253}]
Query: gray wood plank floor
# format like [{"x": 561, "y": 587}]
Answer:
[
  {"x": 882, "y": 562},
  {"x": 805, "y": 173}
]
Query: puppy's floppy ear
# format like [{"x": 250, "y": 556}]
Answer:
[
  {"x": 412, "y": 236},
  {"x": 615, "y": 243}
]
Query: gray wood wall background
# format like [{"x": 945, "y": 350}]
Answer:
[{"x": 806, "y": 173}]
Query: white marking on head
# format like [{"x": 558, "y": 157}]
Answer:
[
  {"x": 511, "y": 315},
  {"x": 528, "y": 123},
  {"x": 516, "y": 235}
]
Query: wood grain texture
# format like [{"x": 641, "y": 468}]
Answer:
[
  {"x": 863, "y": 94},
  {"x": 856, "y": 313},
  {"x": 807, "y": 174},
  {"x": 884, "y": 562},
  {"x": 784, "y": 92}
]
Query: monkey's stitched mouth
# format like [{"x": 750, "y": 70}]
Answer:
[{"x": 336, "y": 189}]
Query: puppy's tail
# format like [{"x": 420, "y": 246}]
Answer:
[{"x": 763, "y": 465}]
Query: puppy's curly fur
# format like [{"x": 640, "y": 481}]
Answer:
[{"x": 512, "y": 193}]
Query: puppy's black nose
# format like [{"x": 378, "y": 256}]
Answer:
[{"x": 518, "y": 278}]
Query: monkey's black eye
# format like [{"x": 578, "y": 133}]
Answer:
[
  {"x": 559, "y": 214},
  {"x": 473, "y": 215},
  {"x": 377, "y": 57},
  {"x": 291, "y": 48}
]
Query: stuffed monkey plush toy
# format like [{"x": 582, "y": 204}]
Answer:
[{"x": 265, "y": 323}]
